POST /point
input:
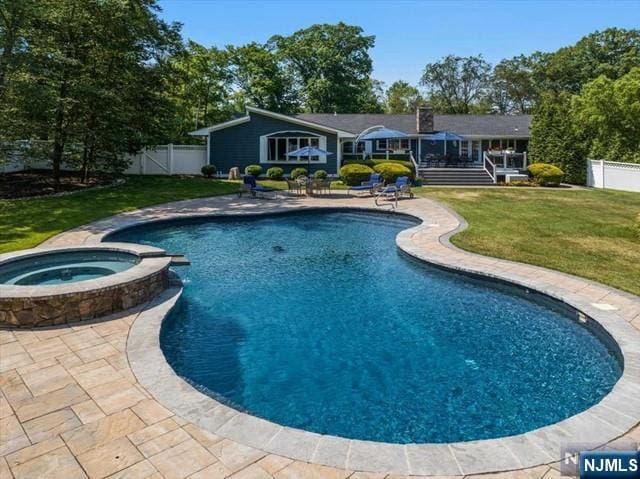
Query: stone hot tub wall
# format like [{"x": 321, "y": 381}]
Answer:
[{"x": 77, "y": 306}]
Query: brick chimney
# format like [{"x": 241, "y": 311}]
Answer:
[{"x": 424, "y": 119}]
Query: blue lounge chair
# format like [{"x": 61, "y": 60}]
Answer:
[
  {"x": 374, "y": 183},
  {"x": 249, "y": 185},
  {"x": 402, "y": 187}
]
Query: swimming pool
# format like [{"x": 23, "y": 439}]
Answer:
[{"x": 315, "y": 321}]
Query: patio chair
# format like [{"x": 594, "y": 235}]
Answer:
[
  {"x": 374, "y": 183},
  {"x": 249, "y": 185},
  {"x": 318, "y": 186},
  {"x": 294, "y": 186},
  {"x": 401, "y": 188}
]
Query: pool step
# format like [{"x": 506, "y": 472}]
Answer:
[{"x": 179, "y": 260}]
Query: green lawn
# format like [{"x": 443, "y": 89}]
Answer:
[
  {"x": 588, "y": 233},
  {"x": 26, "y": 223}
]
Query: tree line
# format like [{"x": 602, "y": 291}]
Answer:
[{"x": 86, "y": 81}]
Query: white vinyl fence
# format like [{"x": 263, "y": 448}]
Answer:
[
  {"x": 614, "y": 175},
  {"x": 162, "y": 160},
  {"x": 169, "y": 160}
]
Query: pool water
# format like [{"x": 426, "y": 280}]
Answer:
[
  {"x": 316, "y": 321},
  {"x": 65, "y": 267}
]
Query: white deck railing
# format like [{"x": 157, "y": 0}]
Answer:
[{"x": 489, "y": 166}]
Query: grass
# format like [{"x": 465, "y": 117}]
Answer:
[
  {"x": 589, "y": 233},
  {"x": 26, "y": 223},
  {"x": 585, "y": 232}
]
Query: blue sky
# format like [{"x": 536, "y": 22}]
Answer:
[{"x": 409, "y": 34}]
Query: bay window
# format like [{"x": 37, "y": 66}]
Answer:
[{"x": 277, "y": 148}]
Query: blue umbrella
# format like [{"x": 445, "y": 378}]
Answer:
[
  {"x": 383, "y": 133},
  {"x": 445, "y": 136},
  {"x": 308, "y": 151}
]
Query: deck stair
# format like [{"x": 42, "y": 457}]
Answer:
[{"x": 455, "y": 176}]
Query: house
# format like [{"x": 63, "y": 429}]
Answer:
[{"x": 489, "y": 145}]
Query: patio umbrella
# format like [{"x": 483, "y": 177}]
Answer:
[
  {"x": 445, "y": 136},
  {"x": 308, "y": 151},
  {"x": 381, "y": 133}
]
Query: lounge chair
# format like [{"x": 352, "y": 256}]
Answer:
[
  {"x": 401, "y": 188},
  {"x": 374, "y": 183},
  {"x": 249, "y": 185}
]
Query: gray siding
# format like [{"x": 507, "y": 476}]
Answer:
[{"x": 240, "y": 145}]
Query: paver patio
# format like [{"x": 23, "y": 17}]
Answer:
[{"x": 70, "y": 405}]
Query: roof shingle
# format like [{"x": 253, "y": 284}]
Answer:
[{"x": 480, "y": 125}]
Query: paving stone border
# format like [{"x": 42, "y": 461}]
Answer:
[
  {"x": 47, "y": 305},
  {"x": 614, "y": 313}
]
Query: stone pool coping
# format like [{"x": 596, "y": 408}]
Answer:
[{"x": 617, "y": 312}]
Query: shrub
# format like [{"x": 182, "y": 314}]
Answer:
[
  {"x": 253, "y": 170},
  {"x": 546, "y": 174},
  {"x": 275, "y": 173},
  {"x": 355, "y": 174},
  {"x": 320, "y": 175},
  {"x": 208, "y": 170},
  {"x": 372, "y": 163},
  {"x": 391, "y": 171},
  {"x": 299, "y": 172},
  {"x": 637, "y": 225}
]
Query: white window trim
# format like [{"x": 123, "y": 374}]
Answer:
[{"x": 264, "y": 146}]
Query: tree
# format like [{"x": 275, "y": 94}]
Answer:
[
  {"x": 92, "y": 80},
  {"x": 612, "y": 52},
  {"x": 331, "y": 65},
  {"x": 371, "y": 99},
  {"x": 15, "y": 16},
  {"x": 401, "y": 97},
  {"x": 455, "y": 83},
  {"x": 513, "y": 88},
  {"x": 200, "y": 88},
  {"x": 554, "y": 139},
  {"x": 261, "y": 79},
  {"x": 606, "y": 114}
]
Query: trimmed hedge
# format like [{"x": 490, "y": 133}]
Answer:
[
  {"x": 299, "y": 172},
  {"x": 253, "y": 170},
  {"x": 275, "y": 173},
  {"x": 391, "y": 171},
  {"x": 546, "y": 174},
  {"x": 355, "y": 174},
  {"x": 208, "y": 170},
  {"x": 372, "y": 163},
  {"x": 320, "y": 175}
]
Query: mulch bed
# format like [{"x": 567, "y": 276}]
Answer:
[{"x": 30, "y": 183}]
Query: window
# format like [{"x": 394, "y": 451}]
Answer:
[
  {"x": 347, "y": 147},
  {"x": 394, "y": 144},
  {"x": 278, "y": 147}
]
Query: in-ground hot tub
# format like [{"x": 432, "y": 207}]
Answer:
[{"x": 42, "y": 287}]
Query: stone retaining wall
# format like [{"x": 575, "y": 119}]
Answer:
[{"x": 79, "y": 306}]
